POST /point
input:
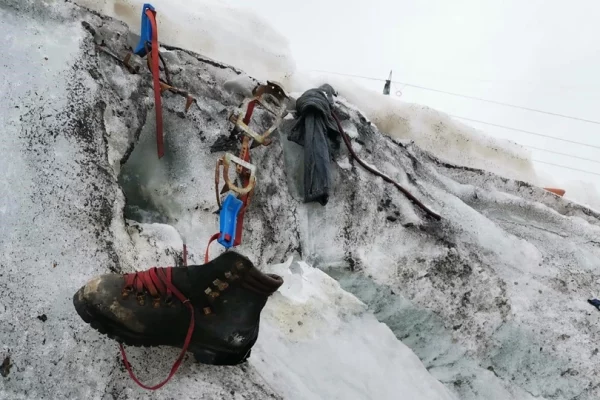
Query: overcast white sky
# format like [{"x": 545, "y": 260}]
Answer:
[{"x": 537, "y": 54}]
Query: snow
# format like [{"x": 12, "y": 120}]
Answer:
[
  {"x": 582, "y": 192},
  {"x": 207, "y": 27},
  {"x": 432, "y": 130},
  {"x": 491, "y": 299},
  {"x": 63, "y": 224},
  {"x": 223, "y": 31},
  {"x": 316, "y": 340},
  {"x": 215, "y": 29},
  {"x": 320, "y": 342}
]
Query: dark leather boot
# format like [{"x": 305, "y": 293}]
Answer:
[{"x": 211, "y": 310}]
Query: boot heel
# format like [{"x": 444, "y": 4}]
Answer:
[{"x": 211, "y": 357}]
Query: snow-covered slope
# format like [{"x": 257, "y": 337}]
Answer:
[
  {"x": 221, "y": 31},
  {"x": 430, "y": 129},
  {"x": 213, "y": 28},
  {"x": 491, "y": 298},
  {"x": 68, "y": 119}
]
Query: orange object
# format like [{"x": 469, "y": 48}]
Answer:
[{"x": 558, "y": 192}]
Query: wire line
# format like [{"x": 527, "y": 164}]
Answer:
[
  {"x": 562, "y": 154},
  {"x": 525, "y": 131},
  {"x": 469, "y": 97},
  {"x": 564, "y": 166}
]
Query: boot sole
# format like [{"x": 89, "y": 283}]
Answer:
[{"x": 202, "y": 354}]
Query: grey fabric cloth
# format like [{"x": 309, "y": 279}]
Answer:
[{"x": 314, "y": 125}]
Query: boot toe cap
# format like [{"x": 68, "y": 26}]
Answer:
[
  {"x": 100, "y": 290},
  {"x": 101, "y": 299}
]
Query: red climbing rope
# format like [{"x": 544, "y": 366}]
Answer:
[
  {"x": 157, "y": 281},
  {"x": 154, "y": 60},
  {"x": 384, "y": 177}
]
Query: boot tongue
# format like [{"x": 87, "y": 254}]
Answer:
[{"x": 261, "y": 283}]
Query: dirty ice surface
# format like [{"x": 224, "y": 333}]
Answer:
[
  {"x": 62, "y": 223},
  {"x": 316, "y": 340},
  {"x": 319, "y": 342},
  {"x": 207, "y": 27},
  {"x": 491, "y": 299},
  {"x": 469, "y": 295},
  {"x": 215, "y": 29}
]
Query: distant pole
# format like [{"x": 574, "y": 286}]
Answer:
[{"x": 388, "y": 83}]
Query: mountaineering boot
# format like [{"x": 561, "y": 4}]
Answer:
[{"x": 211, "y": 310}]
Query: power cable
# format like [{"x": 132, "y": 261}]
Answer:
[
  {"x": 525, "y": 131},
  {"x": 562, "y": 154},
  {"x": 503, "y": 126},
  {"x": 469, "y": 97},
  {"x": 564, "y": 166}
]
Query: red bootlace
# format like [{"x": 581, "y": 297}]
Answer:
[{"x": 158, "y": 281}]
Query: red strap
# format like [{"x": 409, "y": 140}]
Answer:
[
  {"x": 212, "y": 239},
  {"x": 239, "y": 228},
  {"x": 156, "y": 82},
  {"x": 249, "y": 112},
  {"x": 166, "y": 280},
  {"x": 245, "y": 180}
]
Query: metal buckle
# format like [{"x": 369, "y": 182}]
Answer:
[
  {"x": 225, "y": 161},
  {"x": 242, "y": 121}
]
